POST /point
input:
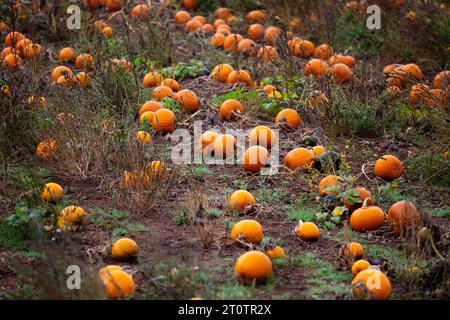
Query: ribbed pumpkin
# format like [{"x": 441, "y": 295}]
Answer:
[
  {"x": 403, "y": 217},
  {"x": 71, "y": 217},
  {"x": 239, "y": 76},
  {"x": 124, "y": 249},
  {"x": 267, "y": 53},
  {"x": 247, "y": 46},
  {"x": 232, "y": 41},
  {"x": 193, "y": 25},
  {"x": 224, "y": 146},
  {"x": 118, "y": 284},
  {"x": 231, "y": 109},
  {"x": 181, "y": 17},
  {"x": 255, "y": 16},
  {"x": 442, "y": 80},
  {"x": 164, "y": 120},
  {"x": 290, "y": 117},
  {"x": 253, "y": 266},
  {"x": 316, "y": 68},
  {"x": 61, "y": 71},
  {"x": 353, "y": 250},
  {"x": 241, "y": 200},
  {"x": 152, "y": 106},
  {"x": 13, "y": 38},
  {"x": 263, "y": 136},
  {"x": 388, "y": 167},
  {"x": 327, "y": 182},
  {"x": 221, "y": 72},
  {"x": 248, "y": 230},
  {"x": 371, "y": 284},
  {"x": 152, "y": 79},
  {"x": 255, "y": 158},
  {"x": 359, "y": 266},
  {"x": 363, "y": 195},
  {"x": 66, "y": 54},
  {"x": 299, "y": 158},
  {"x": 144, "y": 137},
  {"x": 367, "y": 218},
  {"x": 318, "y": 150},
  {"x": 271, "y": 34},
  {"x": 12, "y": 60},
  {"x": 307, "y": 231},
  {"x": 349, "y": 61},
  {"x": 323, "y": 51},
  {"x": 255, "y": 31},
  {"x": 52, "y": 192},
  {"x": 187, "y": 100},
  {"x": 85, "y": 61},
  {"x": 172, "y": 84},
  {"x": 161, "y": 92},
  {"x": 140, "y": 11},
  {"x": 217, "y": 39}
]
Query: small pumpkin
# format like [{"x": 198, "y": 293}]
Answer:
[
  {"x": 318, "y": 150},
  {"x": 147, "y": 117},
  {"x": 307, "y": 231},
  {"x": 327, "y": 182},
  {"x": 140, "y": 11},
  {"x": 299, "y": 158},
  {"x": 71, "y": 217},
  {"x": 118, "y": 284},
  {"x": 267, "y": 53},
  {"x": 13, "y": 38},
  {"x": 182, "y": 16},
  {"x": 193, "y": 25},
  {"x": 164, "y": 120},
  {"x": 144, "y": 137},
  {"x": 161, "y": 92},
  {"x": 248, "y": 230},
  {"x": 262, "y": 136},
  {"x": 190, "y": 4},
  {"x": 288, "y": 119},
  {"x": 316, "y": 68},
  {"x": 172, "y": 84},
  {"x": 217, "y": 39},
  {"x": 84, "y": 61},
  {"x": 367, "y": 218},
  {"x": 241, "y": 200},
  {"x": 341, "y": 73},
  {"x": 221, "y": 72},
  {"x": 222, "y": 13},
  {"x": 276, "y": 252},
  {"x": 188, "y": 100},
  {"x": 253, "y": 266},
  {"x": 239, "y": 76},
  {"x": 371, "y": 284},
  {"x": 67, "y": 54},
  {"x": 124, "y": 249},
  {"x": 207, "y": 139},
  {"x": 403, "y": 217},
  {"x": 231, "y": 109},
  {"x": 359, "y": 266},
  {"x": 46, "y": 148},
  {"x": 442, "y": 80},
  {"x": 388, "y": 167},
  {"x": 12, "y": 60},
  {"x": 255, "y": 16},
  {"x": 353, "y": 250},
  {"x": 152, "y": 79},
  {"x": 271, "y": 34},
  {"x": 324, "y": 51},
  {"x": 224, "y": 146},
  {"x": 52, "y": 192},
  {"x": 232, "y": 41},
  {"x": 61, "y": 71},
  {"x": 255, "y": 158},
  {"x": 152, "y": 106},
  {"x": 247, "y": 46},
  {"x": 349, "y": 61},
  {"x": 255, "y": 31}
]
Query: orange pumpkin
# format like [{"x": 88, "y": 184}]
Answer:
[
  {"x": 436, "y": 97},
  {"x": 271, "y": 34},
  {"x": 221, "y": 72},
  {"x": 248, "y": 230},
  {"x": 46, "y": 148},
  {"x": 144, "y": 137},
  {"x": 307, "y": 231},
  {"x": 164, "y": 120},
  {"x": 181, "y": 17},
  {"x": 359, "y": 266},
  {"x": 113, "y": 5},
  {"x": 217, "y": 39},
  {"x": 71, "y": 217},
  {"x": 349, "y": 61},
  {"x": 207, "y": 139},
  {"x": 367, "y": 218},
  {"x": 247, "y": 46},
  {"x": 13, "y": 38},
  {"x": 231, "y": 42},
  {"x": 222, "y": 13},
  {"x": 193, "y": 25},
  {"x": 7, "y": 51},
  {"x": 255, "y": 31},
  {"x": 253, "y": 266},
  {"x": 190, "y": 4},
  {"x": 140, "y": 11},
  {"x": 363, "y": 195},
  {"x": 299, "y": 158},
  {"x": 12, "y": 60},
  {"x": 263, "y": 136},
  {"x": 162, "y": 92},
  {"x": 231, "y": 109},
  {"x": 276, "y": 252},
  {"x": 353, "y": 250},
  {"x": 224, "y": 146},
  {"x": 323, "y": 51},
  {"x": 152, "y": 79},
  {"x": 316, "y": 68},
  {"x": 388, "y": 167},
  {"x": 83, "y": 79},
  {"x": 187, "y": 100},
  {"x": 371, "y": 284},
  {"x": 403, "y": 217},
  {"x": 67, "y": 54},
  {"x": 255, "y": 16},
  {"x": 147, "y": 117},
  {"x": 318, "y": 150},
  {"x": 419, "y": 93},
  {"x": 341, "y": 73},
  {"x": 52, "y": 192},
  {"x": 442, "y": 80},
  {"x": 150, "y": 106},
  {"x": 241, "y": 200},
  {"x": 84, "y": 61},
  {"x": 267, "y": 53},
  {"x": 255, "y": 158},
  {"x": 288, "y": 117},
  {"x": 118, "y": 284},
  {"x": 20, "y": 46},
  {"x": 124, "y": 249},
  {"x": 328, "y": 182}
]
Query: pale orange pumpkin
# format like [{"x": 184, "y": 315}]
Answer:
[
  {"x": 255, "y": 158},
  {"x": 247, "y": 230},
  {"x": 299, "y": 158},
  {"x": 403, "y": 217}
]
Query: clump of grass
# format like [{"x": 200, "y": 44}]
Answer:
[{"x": 300, "y": 211}]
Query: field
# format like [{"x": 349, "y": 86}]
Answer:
[{"x": 224, "y": 149}]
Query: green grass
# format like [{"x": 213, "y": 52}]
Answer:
[
  {"x": 12, "y": 236},
  {"x": 234, "y": 291},
  {"x": 202, "y": 171},
  {"x": 441, "y": 213},
  {"x": 271, "y": 196},
  {"x": 299, "y": 211},
  {"x": 116, "y": 221}
]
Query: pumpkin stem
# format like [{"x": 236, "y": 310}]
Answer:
[{"x": 365, "y": 203}]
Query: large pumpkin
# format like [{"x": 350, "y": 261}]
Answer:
[
  {"x": 164, "y": 120},
  {"x": 262, "y": 136},
  {"x": 403, "y": 217},
  {"x": 388, "y": 167},
  {"x": 241, "y": 200},
  {"x": 299, "y": 158},
  {"x": 253, "y": 266},
  {"x": 367, "y": 218},
  {"x": 255, "y": 158},
  {"x": 288, "y": 118},
  {"x": 249, "y": 230},
  {"x": 371, "y": 284}
]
